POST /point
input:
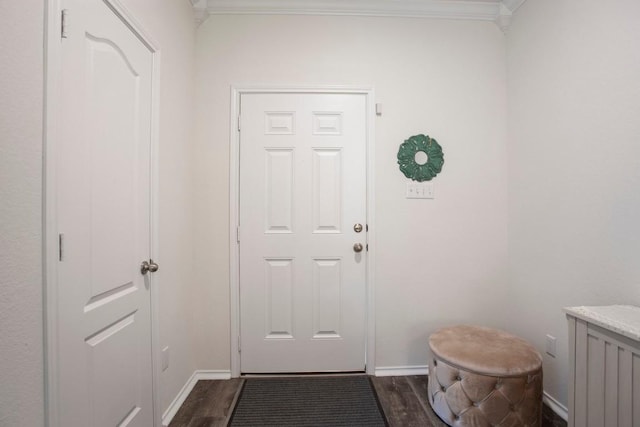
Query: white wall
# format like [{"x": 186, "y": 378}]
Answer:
[
  {"x": 439, "y": 261},
  {"x": 170, "y": 23},
  {"x": 574, "y": 166},
  {"x": 21, "y": 349}
]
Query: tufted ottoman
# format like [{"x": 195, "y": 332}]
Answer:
[{"x": 484, "y": 377}]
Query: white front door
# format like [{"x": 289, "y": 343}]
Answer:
[
  {"x": 302, "y": 191},
  {"x": 104, "y": 363}
]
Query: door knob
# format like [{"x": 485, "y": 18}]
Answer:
[
  {"x": 357, "y": 228},
  {"x": 148, "y": 266},
  {"x": 357, "y": 247}
]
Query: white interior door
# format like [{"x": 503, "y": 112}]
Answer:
[
  {"x": 103, "y": 214},
  {"x": 302, "y": 191}
]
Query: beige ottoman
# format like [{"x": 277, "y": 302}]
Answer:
[{"x": 484, "y": 377}]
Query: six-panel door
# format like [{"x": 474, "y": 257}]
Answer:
[{"x": 302, "y": 190}]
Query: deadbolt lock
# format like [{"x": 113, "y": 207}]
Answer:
[{"x": 357, "y": 228}]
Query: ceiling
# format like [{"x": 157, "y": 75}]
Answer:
[{"x": 498, "y": 11}]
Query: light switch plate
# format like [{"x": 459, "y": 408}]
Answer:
[{"x": 423, "y": 190}]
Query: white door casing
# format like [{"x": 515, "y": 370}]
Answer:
[
  {"x": 303, "y": 179},
  {"x": 99, "y": 303}
]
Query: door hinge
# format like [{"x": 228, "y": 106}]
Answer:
[
  {"x": 239, "y": 346},
  {"x": 238, "y": 234},
  {"x": 63, "y": 23},
  {"x": 60, "y": 247},
  {"x": 238, "y": 122}
]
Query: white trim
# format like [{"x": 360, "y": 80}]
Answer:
[
  {"x": 401, "y": 371},
  {"x": 52, "y": 98},
  {"x": 512, "y": 5},
  {"x": 370, "y": 358},
  {"x": 182, "y": 395},
  {"x": 52, "y": 102},
  {"x": 556, "y": 406},
  {"x": 200, "y": 11},
  {"x": 451, "y": 9},
  {"x": 213, "y": 374},
  {"x": 177, "y": 402},
  {"x": 234, "y": 248},
  {"x": 234, "y": 199},
  {"x": 155, "y": 279}
]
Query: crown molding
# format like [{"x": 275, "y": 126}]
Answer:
[
  {"x": 498, "y": 11},
  {"x": 507, "y": 9},
  {"x": 200, "y": 11},
  {"x": 512, "y": 5}
]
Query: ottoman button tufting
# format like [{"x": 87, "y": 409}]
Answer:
[{"x": 489, "y": 356}]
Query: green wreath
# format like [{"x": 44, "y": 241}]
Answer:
[{"x": 407, "y": 158}]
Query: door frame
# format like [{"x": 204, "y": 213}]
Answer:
[
  {"x": 51, "y": 117},
  {"x": 234, "y": 209}
]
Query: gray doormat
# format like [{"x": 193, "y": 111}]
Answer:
[{"x": 308, "y": 401}]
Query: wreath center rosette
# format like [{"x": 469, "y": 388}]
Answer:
[{"x": 407, "y": 158}]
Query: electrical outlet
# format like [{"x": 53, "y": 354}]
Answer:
[
  {"x": 550, "y": 346},
  {"x": 165, "y": 358}
]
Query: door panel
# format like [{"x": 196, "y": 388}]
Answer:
[
  {"x": 327, "y": 190},
  {"x": 113, "y": 94},
  {"x": 302, "y": 188},
  {"x": 327, "y": 288},
  {"x": 279, "y": 297},
  {"x": 279, "y": 190},
  {"x": 103, "y": 214}
]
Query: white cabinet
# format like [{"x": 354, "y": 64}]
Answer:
[{"x": 604, "y": 375}]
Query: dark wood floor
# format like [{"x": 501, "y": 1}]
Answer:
[{"x": 403, "y": 399}]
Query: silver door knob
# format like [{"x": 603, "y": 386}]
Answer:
[
  {"x": 357, "y": 228},
  {"x": 148, "y": 266},
  {"x": 357, "y": 247}
]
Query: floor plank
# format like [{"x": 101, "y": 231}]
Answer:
[
  {"x": 220, "y": 396},
  {"x": 209, "y": 404},
  {"x": 419, "y": 384},
  {"x": 208, "y": 422},
  {"x": 190, "y": 405},
  {"x": 551, "y": 419},
  {"x": 401, "y": 405}
]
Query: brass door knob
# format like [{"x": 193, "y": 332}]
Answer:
[{"x": 357, "y": 247}]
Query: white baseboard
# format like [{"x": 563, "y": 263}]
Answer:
[
  {"x": 556, "y": 406},
  {"x": 171, "y": 411},
  {"x": 400, "y": 371},
  {"x": 212, "y": 375}
]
